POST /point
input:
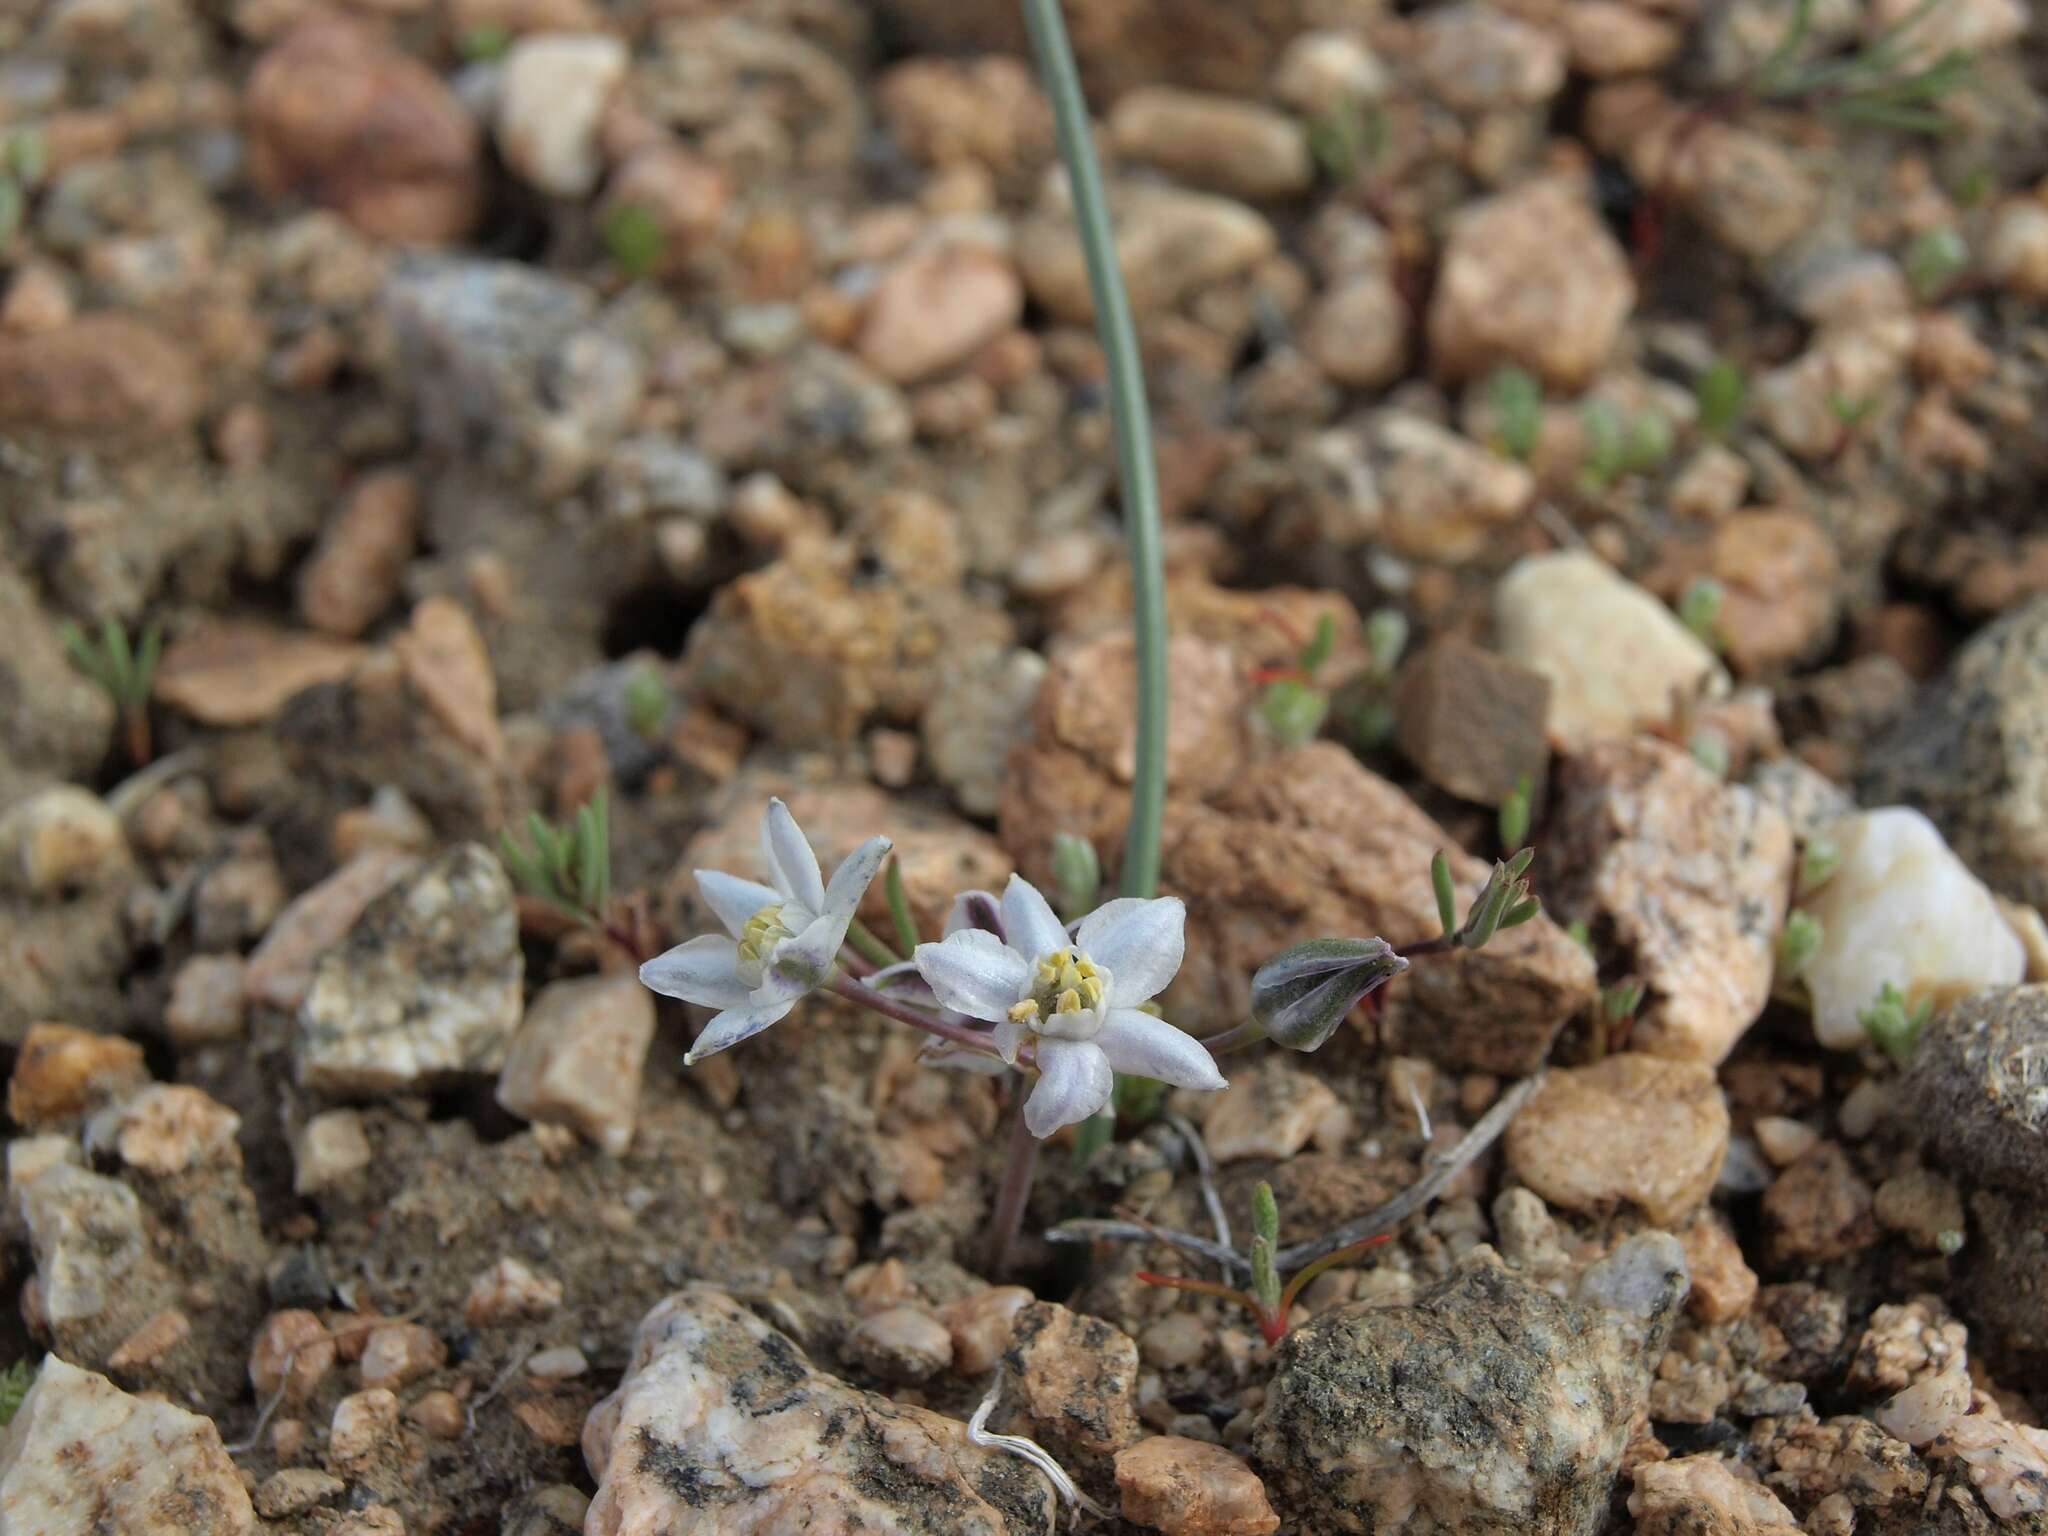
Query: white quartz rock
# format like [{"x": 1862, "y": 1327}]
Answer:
[
  {"x": 1901, "y": 908},
  {"x": 1617, "y": 659},
  {"x": 82, "y": 1455}
]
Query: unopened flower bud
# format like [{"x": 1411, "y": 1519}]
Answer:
[
  {"x": 1076, "y": 874},
  {"x": 1301, "y": 995}
]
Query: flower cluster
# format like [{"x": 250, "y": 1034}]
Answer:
[{"x": 1008, "y": 982}]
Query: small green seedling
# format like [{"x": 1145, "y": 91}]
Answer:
[
  {"x": 1649, "y": 443},
  {"x": 1346, "y": 139},
  {"x": 1935, "y": 258},
  {"x": 124, "y": 672},
  {"x": 1710, "y": 751},
  {"x": 1606, "y": 445},
  {"x": 569, "y": 867},
  {"x": 1503, "y": 902},
  {"x": 1798, "y": 943},
  {"x": 1517, "y": 411},
  {"x": 1699, "y": 607},
  {"x": 1893, "y": 1025},
  {"x": 1292, "y": 705},
  {"x": 647, "y": 704},
  {"x": 1268, "y": 1300},
  {"x": 485, "y": 41},
  {"x": 1818, "y": 861},
  {"x": 1720, "y": 393},
  {"x": 1615, "y": 1011},
  {"x": 633, "y": 239},
  {"x": 1514, "y": 814},
  {"x": 1367, "y": 711}
]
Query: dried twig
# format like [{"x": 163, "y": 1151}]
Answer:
[
  {"x": 1425, "y": 1189},
  {"x": 291, "y": 1358},
  {"x": 1440, "y": 1171},
  {"x": 1205, "y": 1169}
]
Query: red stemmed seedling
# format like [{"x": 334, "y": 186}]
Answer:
[{"x": 1268, "y": 1301}]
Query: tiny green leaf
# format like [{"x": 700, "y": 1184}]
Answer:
[
  {"x": 1318, "y": 649},
  {"x": 1818, "y": 862},
  {"x": 15, "y": 1382},
  {"x": 1606, "y": 444},
  {"x": 1649, "y": 445},
  {"x": 1720, "y": 392},
  {"x": 1699, "y": 607},
  {"x": 633, "y": 239},
  {"x": 1518, "y": 411},
  {"x": 1293, "y": 710},
  {"x": 1798, "y": 943},
  {"x": 485, "y": 41},
  {"x": 1934, "y": 259},
  {"x": 1386, "y": 637},
  {"x": 1514, "y": 814},
  {"x": 1446, "y": 893},
  {"x": 647, "y": 703}
]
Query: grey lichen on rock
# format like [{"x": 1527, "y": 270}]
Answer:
[
  {"x": 722, "y": 1427},
  {"x": 1489, "y": 1406}
]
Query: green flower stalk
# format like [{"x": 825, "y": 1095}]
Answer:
[{"x": 1132, "y": 418}]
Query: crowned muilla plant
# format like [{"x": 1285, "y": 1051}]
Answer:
[
  {"x": 1269, "y": 1300},
  {"x": 1059, "y": 1003}
]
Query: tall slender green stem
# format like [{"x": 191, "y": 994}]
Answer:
[{"x": 1140, "y": 480}]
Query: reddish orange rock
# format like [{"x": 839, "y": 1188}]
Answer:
[
  {"x": 343, "y": 120},
  {"x": 1192, "y": 1488},
  {"x": 100, "y": 373}
]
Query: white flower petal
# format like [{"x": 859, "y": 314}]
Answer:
[
  {"x": 1139, "y": 942},
  {"x": 1143, "y": 1046},
  {"x": 850, "y": 882},
  {"x": 1074, "y": 1082},
  {"x": 729, "y": 1028},
  {"x": 1008, "y": 1036},
  {"x": 974, "y": 973},
  {"x": 734, "y": 900},
  {"x": 1029, "y": 926},
  {"x": 703, "y": 971},
  {"x": 791, "y": 864}
]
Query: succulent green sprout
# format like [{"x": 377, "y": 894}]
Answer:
[
  {"x": 1386, "y": 638},
  {"x": 1621, "y": 1001},
  {"x": 485, "y": 41},
  {"x": 1893, "y": 1025},
  {"x": 1076, "y": 875},
  {"x": 1265, "y": 1243},
  {"x": 1347, "y": 138},
  {"x": 1606, "y": 444},
  {"x": 25, "y": 155},
  {"x": 1503, "y": 902},
  {"x": 1320, "y": 644},
  {"x": 647, "y": 704},
  {"x": 1517, "y": 400},
  {"x": 13, "y": 209},
  {"x": 1710, "y": 752},
  {"x": 569, "y": 867},
  {"x": 1798, "y": 943},
  {"x": 1851, "y": 413},
  {"x": 633, "y": 239},
  {"x": 125, "y": 672},
  {"x": 1293, "y": 710},
  {"x": 1818, "y": 861},
  {"x": 15, "y": 1382},
  {"x": 1720, "y": 393},
  {"x": 1877, "y": 85},
  {"x": 1649, "y": 443},
  {"x": 1948, "y": 1242},
  {"x": 1699, "y": 607},
  {"x": 1514, "y": 814},
  {"x": 1934, "y": 259},
  {"x": 1267, "y": 1299}
]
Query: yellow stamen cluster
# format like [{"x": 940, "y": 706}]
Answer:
[
  {"x": 764, "y": 930},
  {"x": 1066, "y": 983}
]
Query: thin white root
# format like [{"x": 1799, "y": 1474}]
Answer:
[{"x": 1028, "y": 1450}]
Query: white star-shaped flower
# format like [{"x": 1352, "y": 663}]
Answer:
[
  {"x": 1075, "y": 1000},
  {"x": 785, "y": 936}
]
